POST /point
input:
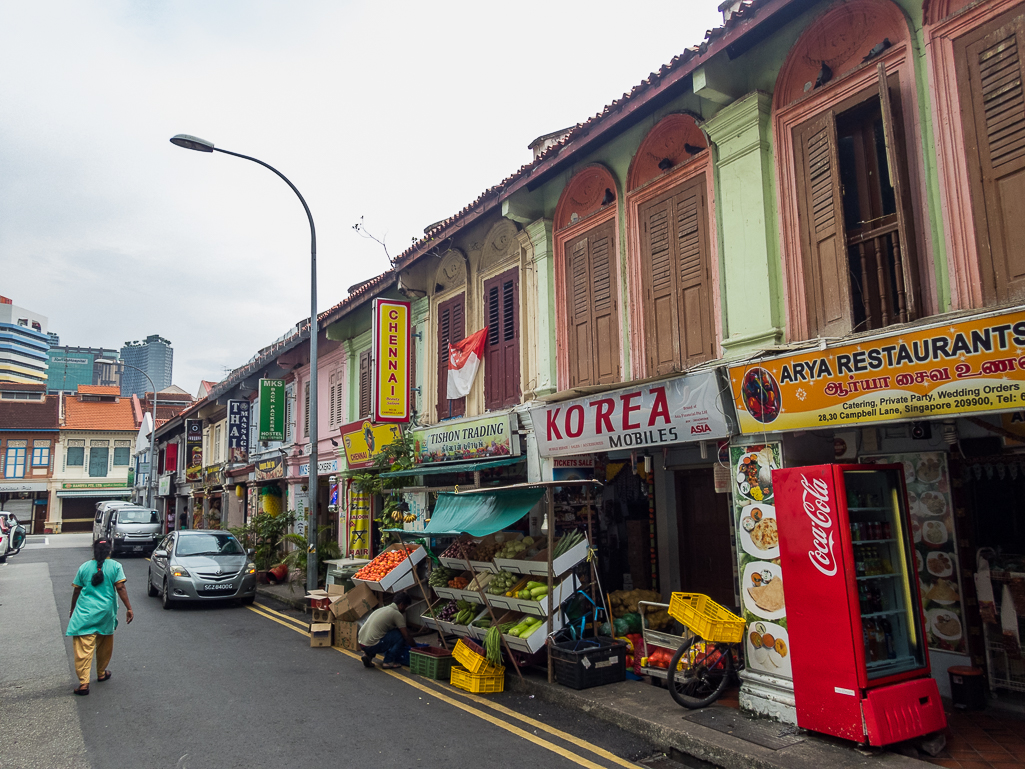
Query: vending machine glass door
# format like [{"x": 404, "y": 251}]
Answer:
[{"x": 885, "y": 572}]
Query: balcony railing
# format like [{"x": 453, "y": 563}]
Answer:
[{"x": 879, "y": 293}]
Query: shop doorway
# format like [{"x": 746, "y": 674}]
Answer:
[{"x": 703, "y": 522}]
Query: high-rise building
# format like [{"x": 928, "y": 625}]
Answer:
[
  {"x": 23, "y": 344},
  {"x": 70, "y": 367},
  {"x": 154, "y": 356},
  {"x": 55, "y": 341}
]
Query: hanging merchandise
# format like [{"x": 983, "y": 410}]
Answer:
[{"x": 270, "y": 500}]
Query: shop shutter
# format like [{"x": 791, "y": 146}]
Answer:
[
  {"x": 991, "y": 72},
  {"x": 677, "y": 279},
  {"x": 365, "y": 375},
  {"x": 593, "y": 328},
  {"x": 823, "y": 236},
  {"x": 451, "y": 329},
  {"x": 502, "y": 352}
]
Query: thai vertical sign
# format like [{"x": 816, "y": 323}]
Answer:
[
  {"x": 391, "y": 360},
  {"x": 272, "y": 409},
  {"x": 193, "y": 449},
  {"x": 238, "y": 430}
]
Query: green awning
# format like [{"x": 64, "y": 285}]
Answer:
[
  {"x": 481, "y": 514},
  {"x": 456, "y": 467}
]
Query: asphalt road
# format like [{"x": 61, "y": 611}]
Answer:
[{"x": 224, "y": 686}]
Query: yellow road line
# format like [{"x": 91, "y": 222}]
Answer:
[
  {"x": 522, "y": 733},
  {"x": 269, "y": 610},
  {"x": 275, "y": 619}
]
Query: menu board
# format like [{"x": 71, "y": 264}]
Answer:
[
  {"x": 935, "y": 543},
  {"x": 767, "y": 644}
]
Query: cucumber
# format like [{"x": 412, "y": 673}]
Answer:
[
  {"x": 532, "y": 585},
  {"x": 539, "y": 591}
]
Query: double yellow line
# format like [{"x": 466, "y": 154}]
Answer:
[{"x": 444, "y": 695}]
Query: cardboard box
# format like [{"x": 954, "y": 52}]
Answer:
[
  {"x": 350, "y": 606},
  {"x": 320, "y": 616},
  {"x": 346, "y": 634},
  {"x": 318, "y": 599},
  {"x": 333, "y": 590},
  {"x": 320, "y": 634}
]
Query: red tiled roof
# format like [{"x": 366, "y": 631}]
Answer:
[
  {"x": 22, "y": 386},
  {"x": 583, "y": 135},
  {"x": 359, "y": 292},
  {"x": 98, "y": 390},
  {"x": 93, "y": 415},
  {"x": 28, "y": 415}
]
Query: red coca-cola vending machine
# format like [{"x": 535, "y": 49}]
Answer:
[{"x": 854, "y": 613}]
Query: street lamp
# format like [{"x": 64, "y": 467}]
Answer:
[
  {"x": 153, "y": 427},
  {"x": 202, "y": 145}
]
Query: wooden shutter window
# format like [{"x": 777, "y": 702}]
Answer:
[
  {"x": 593, "y": 325},
  {"x": 365, "y": 375},
  {"x": 307, "y": 411},
  {"x": 677, "y": 279},
  {"x": 451, "y": 329},
  {"x": 502, "y": 352},
  {"x": 990, "y": 63},
  {"x": 823, "y": 235}
]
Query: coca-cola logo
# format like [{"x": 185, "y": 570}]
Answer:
[{"x": 816, "y": 505}]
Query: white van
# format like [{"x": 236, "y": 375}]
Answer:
[
  {"x": 102, "y": 520},
  {"x": 133, "y": 530}
]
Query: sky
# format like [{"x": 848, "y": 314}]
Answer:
[{"x": 399, "y": 113}]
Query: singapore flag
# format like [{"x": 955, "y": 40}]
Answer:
[{"x": 463, "y": 361}]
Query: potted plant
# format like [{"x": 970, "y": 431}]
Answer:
[
  {"x": 296, "y": 559},
  {"x": 265, "y": 535}
]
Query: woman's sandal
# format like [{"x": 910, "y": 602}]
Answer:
[
  {"x": 106, "y": 675},
  {"x": 81, "y": 690},
  {"x": 391, "y": 666}
]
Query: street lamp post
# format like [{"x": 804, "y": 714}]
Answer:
[
  {"x": 201, "y": 145},
  {"x": 153, "y": 427}
]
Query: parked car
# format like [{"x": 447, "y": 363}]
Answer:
[{"x": 198, "y": 565}]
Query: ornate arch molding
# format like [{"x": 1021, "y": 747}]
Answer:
[
  {"x": 587, "y": 193},
  {"x": 500, "y": 245},
  {"x": 674, "y": 141},
  {"x": 839, "y": 38},
  {"x": 451, "y": 272},
  {"x": 934, "y": 11}
]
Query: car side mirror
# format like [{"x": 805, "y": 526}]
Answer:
[
  {"x": 251, "y": 553},
  {"x": 159, "y": 554}
]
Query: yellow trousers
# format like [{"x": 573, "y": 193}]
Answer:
[{"x": 85, "y": 647}]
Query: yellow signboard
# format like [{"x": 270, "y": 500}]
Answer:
[
  {"x": 391, "y": 360},
  {"x": 364, "y": 440},
  {"x": 976, "y": 365}
]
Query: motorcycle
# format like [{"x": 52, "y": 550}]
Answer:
[{"x": 18, "y": 533}]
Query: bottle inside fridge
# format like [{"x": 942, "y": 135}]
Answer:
[{"x": 884, "y": 570}]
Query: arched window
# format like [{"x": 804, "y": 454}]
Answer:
[
  {"x": 586, "y": 279},
  {"x": 842, "y": 108},
  {"x": 671, "y": 261}
]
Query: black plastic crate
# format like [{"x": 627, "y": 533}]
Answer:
[{"x": 589, "y": 662}]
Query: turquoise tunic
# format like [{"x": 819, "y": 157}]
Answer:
[{"x": 96, "y": 609}]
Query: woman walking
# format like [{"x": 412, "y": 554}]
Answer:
[{"x": 98, "y": 584}]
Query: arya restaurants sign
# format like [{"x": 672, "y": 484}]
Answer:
[{"x": 687, "y": 408}]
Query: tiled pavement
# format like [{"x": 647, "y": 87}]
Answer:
[{"x": 983, "y": 740}]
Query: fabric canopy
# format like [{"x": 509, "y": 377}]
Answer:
[
  {"x": 465, "y": 467},
  {"x": 481, "y": 514}
]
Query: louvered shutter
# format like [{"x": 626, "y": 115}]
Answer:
[
  {"x": 365, "y": 375},
  {"x": 451, "y": 329},
  {"x": 307, "y": 412},
  {"x": 991, "y": 84},
  {"x": 661, "y": 307},
  {"x": 593, "y": 327},
  {"x": 502, "y": 352},
  {"x": 697, "y": 331},
  {"x": 823, "y": 236}
]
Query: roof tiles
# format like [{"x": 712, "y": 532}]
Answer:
[
  {"x": 93, "y": 415},
  {"x": 26, "y": 415}
]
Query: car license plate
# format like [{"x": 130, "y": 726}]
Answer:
[
  {"x": 218, "y": 586},
  {"x": 137, "y": 548}
]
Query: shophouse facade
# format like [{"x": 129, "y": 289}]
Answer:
[
  {"x": 94, "y": 455},
  {"x": 29, "y": 421}
]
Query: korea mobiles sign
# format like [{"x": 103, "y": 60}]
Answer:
[
  {"x": 238, "y": 430},
  {"x": 391, "y": 360},
  {"x": 272, "y": 409},
  {"x": 687, "y": 408},
  {"x": 976, "y": 365},
  {"x": 193, "y": 449}
]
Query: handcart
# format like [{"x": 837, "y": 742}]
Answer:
[
  {"x": 705, "y": 664},
  {"x": 659, "y": 639}
]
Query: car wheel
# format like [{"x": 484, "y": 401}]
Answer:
[
  {"x": 166, "y": 601},
  {"x": 150, "y": 590},
  {"x": 3, "y": 558},
  {"x": 248, "y": 600}
]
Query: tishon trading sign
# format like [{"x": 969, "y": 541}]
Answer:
[
  {"x": 976, "y": 365},
  {"x": 391, "y": 360}
]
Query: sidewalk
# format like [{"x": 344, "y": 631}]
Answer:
[{"x": 292, "y": 595}]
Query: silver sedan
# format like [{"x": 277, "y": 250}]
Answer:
[{"x": 196, "y": 565}]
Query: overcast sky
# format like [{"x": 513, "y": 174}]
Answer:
[{"x": 399, "y": 112}]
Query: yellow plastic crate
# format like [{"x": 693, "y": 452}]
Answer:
[
  {"x": 706, "y": 618},
  {"x": 475, "y": 662},
  {"x": 490, "y": 683}
]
